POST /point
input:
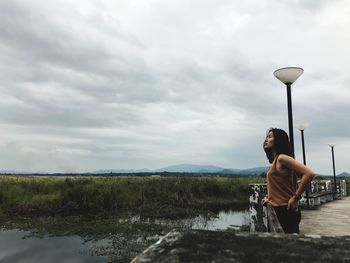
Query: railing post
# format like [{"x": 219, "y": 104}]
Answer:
[
  {"x": 314, "y": 187},
  {"x": 328, "y": 185},
  {"x": 258, "y": 212},
  {"x": 343, "y": 188}
]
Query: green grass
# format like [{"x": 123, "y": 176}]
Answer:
[{"x": 164, "y": 196}]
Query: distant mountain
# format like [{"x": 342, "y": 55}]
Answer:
[
  {"x": 255, "y": 170},
  {"x": 107, "y": 171},
  {"x": 191, "y": 168},
  {"x": 180, "y": 168},
  {"x": 343, "y": 174}
]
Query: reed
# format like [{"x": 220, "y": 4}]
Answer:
[{"x": 163, "y": 196}]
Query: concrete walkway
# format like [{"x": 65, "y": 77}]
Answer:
[{"x": 330, "y": 219}]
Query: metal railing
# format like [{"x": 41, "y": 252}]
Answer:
[{"x": 262, "y": 220}]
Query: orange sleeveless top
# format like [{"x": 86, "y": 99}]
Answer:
[{"x": 281, "y": 186}]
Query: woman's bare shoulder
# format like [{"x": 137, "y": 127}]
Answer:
[
  {"x": 285, "y": 161},
  {"x": 284, "y": 158}
]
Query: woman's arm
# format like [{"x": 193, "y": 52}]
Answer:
[{"x": 306, "y": 175}]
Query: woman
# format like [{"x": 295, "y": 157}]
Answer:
[{"x": 283, "y": 192}]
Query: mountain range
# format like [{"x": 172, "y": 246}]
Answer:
[
  {"x": 194, "y": 168},
  {"x": 191, "y": 168},
  {"x": 180, "y": 168}
]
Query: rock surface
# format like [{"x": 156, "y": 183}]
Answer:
[{"x": 228, "y": 246}]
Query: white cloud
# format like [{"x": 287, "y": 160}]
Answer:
[{"x": 88, "y": 85}]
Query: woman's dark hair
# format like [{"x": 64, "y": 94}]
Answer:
[{"x": 281, "y": 144}]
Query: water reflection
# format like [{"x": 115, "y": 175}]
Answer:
[
  {"x": 20, "y": 246},
  {"x": 121, "y": 244},
  {"x": 224, "y": 220}
]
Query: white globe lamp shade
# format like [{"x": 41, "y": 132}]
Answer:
[
  {"x": 302, "y": 126},
  {"x": 288, "y": 75}
]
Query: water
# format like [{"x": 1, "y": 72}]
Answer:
[
  {"x": 224, "y": 220},
  {"x": 22, "y": 246},
  {"x": 17, "y": 246}
]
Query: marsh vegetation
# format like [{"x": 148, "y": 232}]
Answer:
[
  {"x": 118, "y": 216},
  {"x": 144, "y": 196}
]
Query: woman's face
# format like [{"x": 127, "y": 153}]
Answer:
[{"x": 269, "y": 141}]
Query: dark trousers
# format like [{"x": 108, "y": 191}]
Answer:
[{"x": 288, "y": 219}]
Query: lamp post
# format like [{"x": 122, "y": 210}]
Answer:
[
  {"x": 288, "y": 76},
  {"x": 301, "y": 127},
  {"x": 335, "y": 180}
]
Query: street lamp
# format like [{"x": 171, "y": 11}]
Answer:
[
  {"x": 335, "y": 181},
  {"x": 301, "y": 127},
  {"x": 288, "y": 76}
]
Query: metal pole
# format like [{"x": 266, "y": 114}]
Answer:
[
  {"x": 303, "y": 145},
  {"x": 304, "y": 160},
  {"x": 290, "y": 116},
  {"x": 335, "y": 180}
]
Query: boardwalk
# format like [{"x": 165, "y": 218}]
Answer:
[{"x": 330, "y": 219}]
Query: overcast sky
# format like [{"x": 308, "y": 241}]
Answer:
[{"x": 87, "y": 85}]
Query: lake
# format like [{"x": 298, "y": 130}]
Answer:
[{"x": 17, "y": 245}]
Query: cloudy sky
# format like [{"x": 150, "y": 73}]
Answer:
[{"x": 130, "y": 84}]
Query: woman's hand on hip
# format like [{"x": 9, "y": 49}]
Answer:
[
  {"x": 265, "y": 201},
  {"x": 293, "y": 204}
]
